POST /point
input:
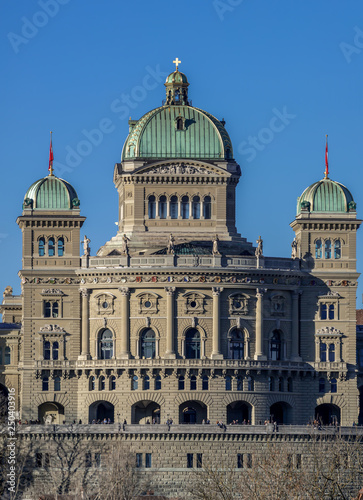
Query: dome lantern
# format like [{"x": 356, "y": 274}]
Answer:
[{"x": 176, "y": 88}]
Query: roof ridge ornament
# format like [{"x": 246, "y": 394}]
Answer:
[{"x": 326, "y": 158}]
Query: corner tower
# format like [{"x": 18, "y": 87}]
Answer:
[{"x": 177, "y": 175}]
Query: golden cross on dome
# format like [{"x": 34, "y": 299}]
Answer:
[{"x": 176, "y": 62}]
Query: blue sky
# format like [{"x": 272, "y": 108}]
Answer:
[{"x": 67, "y": 64}]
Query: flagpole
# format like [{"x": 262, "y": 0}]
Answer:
[
  {"x": 50, "y": 168},
  {"x": 326, "y": 157}
]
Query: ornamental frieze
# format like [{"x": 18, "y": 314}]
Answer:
[{"x": 179, "y": 168}]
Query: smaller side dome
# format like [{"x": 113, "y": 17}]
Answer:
[
  {"x": 51, "y": 193},
  {"x": 326, "y": 196}
]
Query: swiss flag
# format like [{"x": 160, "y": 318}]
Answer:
[{"x": 50, "y": 168}]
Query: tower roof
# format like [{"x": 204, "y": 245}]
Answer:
[
  {"x": 326, "y": 196},
  {"x": 51, "y": 193}
]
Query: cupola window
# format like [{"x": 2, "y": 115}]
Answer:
[
  {"x": 60, "y": 247},
  {"x": 41, "y": 247},
  {"x": 174, "y": 207},
  {"x": 51, "y": 247},
  {"x": 318, "y": 249},
  {"x": 196, "y": 207},
  {"x": 179, "y": 123},
  {"x": 207, "y": 207},
  {"x": 152, "y": 207},
  {"x": 337, "y": 249},
  {"x": 185, "y": 207},
  {"x": 328, "y": 249}
]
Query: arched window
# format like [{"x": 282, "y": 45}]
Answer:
[
  {"x": 321, "y": 385},
  {"x": 179, "y": 122},
  {"x": 113, "y": 383},
  {"x": 185, "y": 207},
  {"x": 275, "y": 346},
  {"x": 196, "y": 207},
  {"x": 331, "y": 311},
  {"x": 7, "y": 356},
  {"x": 323, "y": 311},
  {"x": 207, "y": 207},
  {"x": 271, "y": 384},
  {"x": 289, "y": 384},
  {"x": 57, "y": 383},
  {"x": 333, "y": 385},
  {"x": 328, "y": 249},
  {"x": 331, "y": 353},
  {"x": 152, "y": 207},
  {"x": 46, "y": 350},
  {"x": 174, "y": 207},
  {"x": 55, "y": 310},
  {"x": 157, "y": 383},
  {"x": 250, "y": 384},
  {"x": 181, "y": 383},
  {"x": 239, "y": 383},
  {"x": 337, "y": 249},
  {"x": 47, "y": 309},
  {"x": 60, "y": 247},
  {"x": 146, "y": 383},
  {"x": 51, "y": 247},
  {"x": 162, "y": 207},
  {"x": 193, "y": 383},
  {"x": 55, "y": 350},
  {"x": 228, "y": 383},
  {"x": 323, "y": 352},
  {"x": 45, "y": 384},
  {"x": 318, "y": 249},
  {"x": 147, "y": 344},
  {"x": 236, "y": 344},
  {"x": 105, "y": 345},
  {"x": 205, "y": 383},
  {"x": 91, "y": 383},
  {"x": 101, "y": 383},
  {"x": 134, "y": 383},
  {"x": 281, "y": 384},
  {"x": 41, "y": 247},
  {"x": 192, "y": 344}
]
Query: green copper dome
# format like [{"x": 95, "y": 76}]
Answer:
[
  {"x": 51, "y": 193},
  {"x": 176, "y": 77},
  {"x": 326, "y": 196},
  {"x": 177, "y": 131}
]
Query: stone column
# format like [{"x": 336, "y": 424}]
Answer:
[
  {"x": 85, "y": 324},
  {"x": 259, "y": 324},
  {"x": 216, "y": 320},
  {"x": 295, "y": 324},
  {"x": 124, "y": 344},
  {"x": 170, "y": 351}
]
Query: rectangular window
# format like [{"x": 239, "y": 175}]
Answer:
[
  {"x": 199, "y": 460},
  {"x": 289, "y": 460},
  {"x": 138, "y": 459},
  {"x": 46, "y": 460},
  {"x": 148, "y": 460},
  {"x": 98, "y": 459},
  {"x": 38, "y": 460},
  {"x": 88, "y": 459},
  {"x": 248, "y": 460},
  {"x": 239, "y": 461},
  {"x": 190, "y": 460},
  {"x": 298, "y": 461}
]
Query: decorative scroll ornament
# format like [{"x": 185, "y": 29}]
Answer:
[{"x": 52, "y": 328}]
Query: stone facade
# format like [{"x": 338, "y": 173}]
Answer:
[{"x": 178, "y": 316}]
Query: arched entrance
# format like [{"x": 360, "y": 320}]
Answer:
[
  {"x": 240, "y": 412},
  {"x": 143, "y": 412},
  {"x": 99, "y": 410},
  {"x": 327, "y": 414},
  {"x": 281, "y": 413},
  {"x": 192, "y": 412},
  {"x": 3, "y": 403},
  {"x": 51, "y": 413}
]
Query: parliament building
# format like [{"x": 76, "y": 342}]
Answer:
[{"x": 178, "y": 317}]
